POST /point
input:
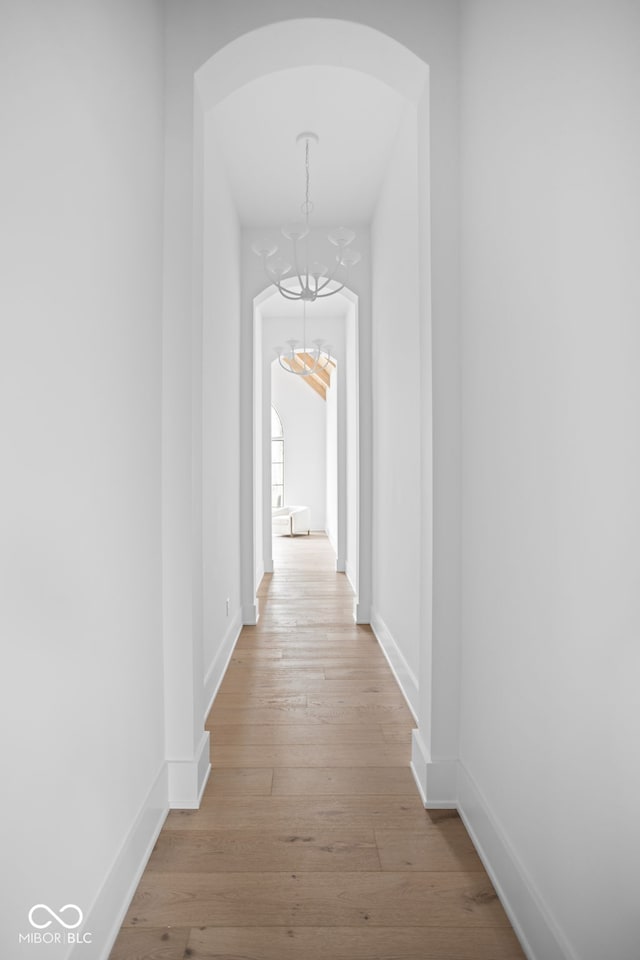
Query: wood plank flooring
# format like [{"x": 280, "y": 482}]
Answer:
[{"x": 311, "y": 842}]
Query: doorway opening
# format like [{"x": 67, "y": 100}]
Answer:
[
  {"x": 317, "y": 427},
  {"x": 225, "y": 283}
]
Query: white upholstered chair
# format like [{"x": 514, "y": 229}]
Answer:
[{"x": 290, "y": 521}]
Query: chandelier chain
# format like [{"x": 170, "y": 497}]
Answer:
[
  {"x": 307, "y": 203},
  {"x": 305, "y": 280}
]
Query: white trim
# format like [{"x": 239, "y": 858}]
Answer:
[
  {"x": 350, "y": 571},
  {"x": 418, "y": 781},
  {"x": 107, "y": 912},
  {"x": 341, "y": 563},
  {"x": 204, "y": 766},
  {"x": 530, "y": 917},
  {"x": 218, "y": 668},
  {"x": 405, "y": 677},
  {"x": 250, "y": 614},
  {"x": 331, "y": 540},
  {"x": 437, "y": 780},
  {"x": 188, "y": 778},
  {"x": 363, "y": 613}
]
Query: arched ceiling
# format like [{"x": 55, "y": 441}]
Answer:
[{"x": 356, "y": 118}]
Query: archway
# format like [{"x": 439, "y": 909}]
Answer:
[
  {"x": 281, "y": 47},
  {"x": 273, "y": 319},
  {"x": 287, "y": 45}
]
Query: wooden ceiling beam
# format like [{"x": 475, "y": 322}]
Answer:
[
  {"x": 297, "y": 366},
  {"x": 322, "y": 373}
]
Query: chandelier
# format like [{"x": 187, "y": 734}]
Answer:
[
  {"x": 299, "y": 358},
  {"x": 305, "y": 280}
]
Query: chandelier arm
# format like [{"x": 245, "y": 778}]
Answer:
[
  {"x": 336, "y": 267},
  {"x": 330, "y": 278},
  {"x": 286, "y": 293},
  {"x": 331, "y": 292},
  {"x": 318, "y": 367},
  {"x": 325, "y": 284},
  {"x": 326, "y": 363},
  {"x": 312, "y": 369}
]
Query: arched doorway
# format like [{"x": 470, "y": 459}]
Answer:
[
  {"x": 289, "y": 45},
  {"x": 339, "y": 322}
]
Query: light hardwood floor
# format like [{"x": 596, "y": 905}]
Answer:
[{"x": 311, "y": 842}]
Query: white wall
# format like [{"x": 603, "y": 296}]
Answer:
[
  {"x": 80, "y": 324},
  {"x": 261, "y": 459},
  {"x": 331, "y": 460},
  {"x": 397, "y": 377},
  {"x": 303, "y": 414},
  {"x": 349, "y": 451},
  {"x": 221, "y": 416},
  {"x": 551, "y": 440}
]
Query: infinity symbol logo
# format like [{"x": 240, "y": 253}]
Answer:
[{"x": 56, "y": 916}]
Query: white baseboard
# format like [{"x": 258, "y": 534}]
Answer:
[
  {"x": 104, "y": 918},
  {"x": 539, "y": 935},
  {"x": 401, "y": 670},
  {"x": 349, "y": 569},
  {"x": 216, "y": 671},
  {"x": 341, "y": 563},
  {"x": 437, "y": 780},
  {"x": 188, "y": 778}
]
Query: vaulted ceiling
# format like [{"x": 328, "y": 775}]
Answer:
[{"x": 356, "y": 118}]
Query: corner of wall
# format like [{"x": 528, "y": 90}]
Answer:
[
  {"x": 250, "y": 614},
  {"x": 362, "y": 613},
  {"x": 188, "y": 778},
  {"x": 437, "y": 780}
]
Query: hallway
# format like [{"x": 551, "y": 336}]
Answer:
[{"x": 311, "y": 840}]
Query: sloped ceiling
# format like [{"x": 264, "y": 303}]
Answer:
[{"x": 356, "y": 119}]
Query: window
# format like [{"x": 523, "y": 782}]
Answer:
[{"x": 277, "y": 460}]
